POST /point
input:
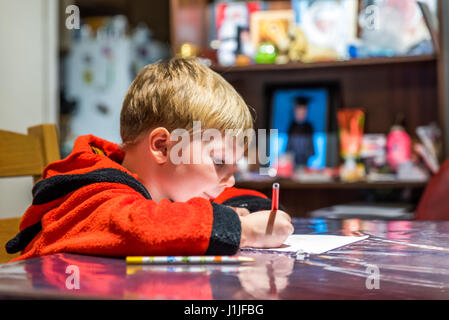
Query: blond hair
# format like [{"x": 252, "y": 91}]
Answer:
[{"x": 176, "y": 92}]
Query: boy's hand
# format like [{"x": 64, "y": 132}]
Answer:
[
  {"x": 254, "y": 228},
  {"x": 241, "y": 211}
]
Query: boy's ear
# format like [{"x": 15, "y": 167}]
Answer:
[{"x": 158, "y": 141}]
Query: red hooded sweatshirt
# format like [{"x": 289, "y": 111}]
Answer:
[{"x": 88, "y": 203}]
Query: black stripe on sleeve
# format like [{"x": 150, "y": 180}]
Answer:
[
  {"x": 226, "y": 231},
  {"x": 23, "y": 238},
  {"x": 57, "y": 186},
  {"x": 252, "y": 203}
]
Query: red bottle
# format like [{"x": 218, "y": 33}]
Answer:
[{"x": 398, "y": 147}]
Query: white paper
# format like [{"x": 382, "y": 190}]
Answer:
[{"x": 313, "y": 243}]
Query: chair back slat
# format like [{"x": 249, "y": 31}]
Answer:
[
  {"x": 24, "y": 155},
  {"x": 8, "y": 229},
  {"x": 20, "y": 155}
]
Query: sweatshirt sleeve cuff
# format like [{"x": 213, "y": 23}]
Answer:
[
  {"x": 226, "y": 231},
  {"x": 252, "y": 203}
]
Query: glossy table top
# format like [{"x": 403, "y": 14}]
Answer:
[{"x": 412, "y": 260}]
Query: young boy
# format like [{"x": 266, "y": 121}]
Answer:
[{"x": 104, "y": 199}]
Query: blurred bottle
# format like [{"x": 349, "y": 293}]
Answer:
[{"x": 398, "y": 145}]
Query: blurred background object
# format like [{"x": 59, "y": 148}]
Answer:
[
  {"x": 103, "y": 58},
  {"x": 386, "y": 58}
]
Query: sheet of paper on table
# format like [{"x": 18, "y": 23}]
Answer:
[{"x": 312, "y": 243}]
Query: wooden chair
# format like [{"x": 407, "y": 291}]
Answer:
[
  {"x": 434, "y": 203},
  {"x": 24, "y": 155}
]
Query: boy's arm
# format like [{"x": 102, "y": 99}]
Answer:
[
  {"x": 175, "y": 228},
  {"x": 112, "y": 219}
]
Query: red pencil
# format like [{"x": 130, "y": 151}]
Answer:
[
  {"x": 275, "y": 197},
  {"x": 274, "y": 208}
]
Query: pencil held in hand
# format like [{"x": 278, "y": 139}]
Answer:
[
  {"x": 274, "y": 208},
  {"x": 275, "y": 197}
]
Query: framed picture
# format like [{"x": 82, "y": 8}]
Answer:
[
  {"x": 431, "y": 20},
  {"x": 328, "y": 24},
  {"x": 229, "y": 18},
  {"x": 399, "y": 25},
  {"x": 271, "y": 26},
  {"x": 301, "y": 118}
]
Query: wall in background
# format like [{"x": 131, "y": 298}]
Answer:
[{"x": 28, "y": 81}]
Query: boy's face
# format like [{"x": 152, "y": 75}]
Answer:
[
  {"x": 206, "y": 171},
  {"x": 300, "y": 113}
]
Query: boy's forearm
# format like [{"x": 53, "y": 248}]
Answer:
[
  {"x": 191, "y": 228},
  {"x": 119, "y": 222}
]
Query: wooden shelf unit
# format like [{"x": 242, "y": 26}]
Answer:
[
  {"x": 300, "y": 198},
  {"x": 384, "y": 87}
]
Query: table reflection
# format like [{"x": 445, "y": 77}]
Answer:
[{"x": 412, "y": 259}]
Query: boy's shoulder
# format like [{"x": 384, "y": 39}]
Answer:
[
  {"x": 92, "y": 161},
  {"x": 89, "y": 153}
]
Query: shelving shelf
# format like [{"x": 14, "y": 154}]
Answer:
[
  {"x": 292, "y": 184},
  {"x": 328, "y": 64}
]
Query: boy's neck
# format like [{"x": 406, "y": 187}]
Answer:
[{"x": 140, "y": 166}]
